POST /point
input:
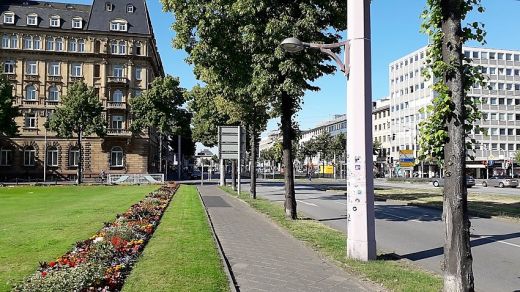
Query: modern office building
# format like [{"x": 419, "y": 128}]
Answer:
[
  {"x": 46, "y": 46},
  {"x": 500, "y": 107}
]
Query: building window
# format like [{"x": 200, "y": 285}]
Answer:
[
  {"x": 116, "y": 157},
  {"x": 81, "y": 45},
  {"x": 54, "y": 69},
  {"x": 77, "y": 22},
  {"x": 74, "y": 156},
  {"x": 138, "y": 73},
  {"x": 6, "y": 157},
  {"x": 59, "y": 44},
  {"x": 52, "y": 156},
  {"x": 30, "y": 93},
  {"x": 9, "y": 18},
  {"x": 29, "y": 156},
  {"x": 117, "y": 122},
  {"x": 50, "y": 44},
  {"x": 118, "y": 25},
  {"x": 9, "y": 67},
  {"x": 76, "y": 70},
  {"x": 54, "y": 21},
  {"x": 32, "y": 19},
  {"x": 54, "y": 94},
  {"x": 130, "y": 8},
  {"x": 31, "y": 68},
  {"x": 117, "y": 71},
  {"x": 117, "y": 96}
]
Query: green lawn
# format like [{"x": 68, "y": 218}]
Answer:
[
  {"x": 182, "y": 255},
  {"x": 394, "y": 275},
  {"x": 42, "y": 223}
]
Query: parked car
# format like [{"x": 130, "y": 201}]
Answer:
[
  {"x": 439, "y": 181},
  {"x": 500, "y": 181}
]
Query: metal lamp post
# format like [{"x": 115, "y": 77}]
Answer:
[{"x": 361, "y": 243}]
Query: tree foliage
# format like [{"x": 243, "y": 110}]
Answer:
[
  {"x": 160, "y": 107},
  {"x": 80, "y": 113},
  {"x": 8, "y": 112},
  {"x": 433, "y": 130}
]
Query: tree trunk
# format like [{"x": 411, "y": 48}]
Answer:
[
  {"x": 80, "y": 162},
  {"x": 458, "y": 273},
  {"x": 233, "y": 175},
  {"x": 287, "y": 135},
  {"x": 253, "y": 162},
  {"x": 160, "y": 154}
]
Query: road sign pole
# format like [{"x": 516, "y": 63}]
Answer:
[{"x": 239, "y": 164}]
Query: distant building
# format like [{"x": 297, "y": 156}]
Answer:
[
  {"x": 500, "y": 106},
  {"x": 46, "y": 46}
]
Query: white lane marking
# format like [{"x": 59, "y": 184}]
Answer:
[
  {"x": 401, "y": 217},
  {"x": 500, "y": 241},
  {"x": 310, "y": 204}
]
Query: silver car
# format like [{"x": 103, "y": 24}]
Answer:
[
  {"x": 439, "y": 182},
  {"x": 500, "y": 181}
]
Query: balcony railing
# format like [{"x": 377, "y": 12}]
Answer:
[
  {"x": 117, "y": 79},
  {"x": 118, "y": 132},
  {"x": 116, "y": 105}
]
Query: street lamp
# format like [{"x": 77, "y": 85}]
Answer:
[{"x": 361, "y": 242}]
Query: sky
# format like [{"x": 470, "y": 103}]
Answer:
[{"x": 395, "y": 33}]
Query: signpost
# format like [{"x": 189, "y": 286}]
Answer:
[{"x": 231, "y": 145}]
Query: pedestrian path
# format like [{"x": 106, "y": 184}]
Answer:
[{"x": 265, "y": 258}]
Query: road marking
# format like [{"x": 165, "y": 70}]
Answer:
[
  {"x": 500, "y": 241},
  {"x": 311, "y": 204}
]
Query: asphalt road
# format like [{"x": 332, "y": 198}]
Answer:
[{"x": 417, "y": 233}]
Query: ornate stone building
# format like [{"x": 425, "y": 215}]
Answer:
[{"x": 45, "y": 47}]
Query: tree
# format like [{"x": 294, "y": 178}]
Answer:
[
  {"x": 238, "y": 42},
  {"x": 450, "y": 119},
  {"x": 159, "y": 108},
  {"x": 80, "y": 115},
  {"x": 8, "y": 112}
]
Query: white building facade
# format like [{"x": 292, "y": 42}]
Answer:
[{"x": 500, "y": 106}]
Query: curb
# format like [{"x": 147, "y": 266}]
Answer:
[{"x": 233, "y": 284}]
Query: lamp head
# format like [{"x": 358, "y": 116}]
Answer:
[{"x": 292, "y": 45}]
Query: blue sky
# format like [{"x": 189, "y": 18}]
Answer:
[{"x": 395, "y": 32}]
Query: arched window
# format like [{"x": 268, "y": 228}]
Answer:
[
  {"x": 59, "y": 44},
  {"x": 54, "y": 94},
  {"x": 52, "y": 156},
  {"x": 6, "y": 156},
  {"x": 30, "y": 93},
  {"x": 81, "y": 45},
  {"x": 74, "y": 156},
  {"x": 117, "y": 96},
  {"x": 122, "y": 47},
  {"x": 116, "y": 157},
  {"x": 73, "y": 45},
  {"x": 29, "y": 156}
]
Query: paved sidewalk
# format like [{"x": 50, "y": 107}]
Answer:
[{"x": 265, "y": 258}]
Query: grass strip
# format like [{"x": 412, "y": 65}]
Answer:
[
  {"x": 392, "y": 274},
  {"x": 42, "y": 223},
  {"x": 482, "y": 205},
  {"x": 182, "y": 254}
]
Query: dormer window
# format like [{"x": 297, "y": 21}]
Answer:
[
  {"x": 108, "y": 6},
  {"x": 9, "y": 18},
  {"x": 130, "y": 8},
  {"x": 119, "y": 25},
  {"x": 32, "y": 19},
  {"x": 77, "y": 22},
  {"x": 54, "y": 21}
]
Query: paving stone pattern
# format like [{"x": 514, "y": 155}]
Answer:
[{"x": 265, "y": 258}]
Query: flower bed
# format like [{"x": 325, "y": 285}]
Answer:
[{"x": 102, "y": 262}]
